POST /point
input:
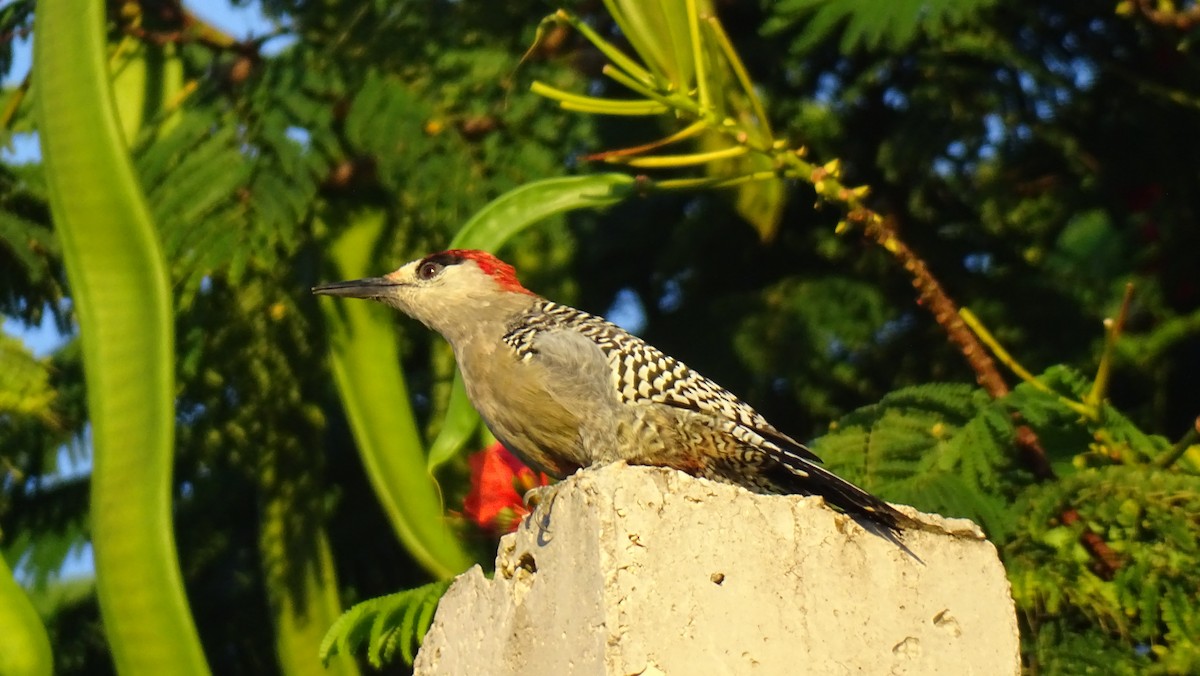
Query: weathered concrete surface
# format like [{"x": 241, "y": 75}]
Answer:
[{"x": 649, "y": 571}]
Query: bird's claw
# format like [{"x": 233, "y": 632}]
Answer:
[
  {"x": 535, "y": 498},
  {"x": 539, "y": 495}
]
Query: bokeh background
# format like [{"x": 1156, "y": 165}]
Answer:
[{"x": 1040, "y": 157}]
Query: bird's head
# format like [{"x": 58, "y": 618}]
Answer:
[{"x": 444, "y": 291}]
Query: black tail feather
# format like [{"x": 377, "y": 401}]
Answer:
[{"x": 799, "y": 475}]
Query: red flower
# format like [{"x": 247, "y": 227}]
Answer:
[{"x": 498, "y": 483}]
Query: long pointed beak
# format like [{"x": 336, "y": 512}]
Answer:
[{"x": 371, "y": 287}]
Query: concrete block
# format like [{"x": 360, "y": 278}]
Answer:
[{"x": 638, "y": 570}]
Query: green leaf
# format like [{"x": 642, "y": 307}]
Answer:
[
  {"x": 146, "y": 78},
  {"x": 121, "y": 293},
  {"x": 386, "y": 624},
  {"x": 761, "y": 203},
  {"x": 504, "y": 217},
  {"x": 302, "y": 588},
  {"x": 458, "y": 426},
  {"x": 24, "y": 644},
  {"x": 659, "y": 34},
  {"x": 423, "y": 620}
]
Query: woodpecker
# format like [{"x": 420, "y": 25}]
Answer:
[{"x": 564, "y": 389}]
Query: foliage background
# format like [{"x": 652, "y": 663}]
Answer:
[{"x": 1038, "y": 156}]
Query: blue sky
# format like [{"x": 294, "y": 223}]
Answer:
[{"x": 240, "y": 22}]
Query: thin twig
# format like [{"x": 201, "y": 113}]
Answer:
[
  {"x": 1015, "y": 366},
  {"x": 1189, "y": 439},
  {"x": 934, "y": 298},
  {"x": 687, "y": 132},
  {"x": 1115, "y": 326}
]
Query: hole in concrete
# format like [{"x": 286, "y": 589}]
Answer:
[
  {"x": 527, "y": 562},
  {"x": 947, "y": 622},
  {"x": 910, "y": 647}
]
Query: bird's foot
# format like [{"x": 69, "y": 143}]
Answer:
[
  {"x": 539, "y": 495},
  {"x": 535, "y": 498}
]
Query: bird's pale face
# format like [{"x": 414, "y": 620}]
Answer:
[{"x": 443, "y": 291}]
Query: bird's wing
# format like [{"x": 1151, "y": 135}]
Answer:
[
  {"x": 644, "y": 373},
  {"x": 562, "y": 352},
  {"x": 641, "y": 373}
]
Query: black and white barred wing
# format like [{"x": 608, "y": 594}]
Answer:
[{"x": 639, "y": 372}]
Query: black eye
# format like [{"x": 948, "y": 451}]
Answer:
[{"x": 429, "y": 270}]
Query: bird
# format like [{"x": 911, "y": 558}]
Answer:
[{"x": 565, "y": 390}]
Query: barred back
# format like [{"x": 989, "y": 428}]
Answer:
[{"x": 640, "y": 372}]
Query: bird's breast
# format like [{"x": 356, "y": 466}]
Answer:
[{"x": 515, "y": 402}]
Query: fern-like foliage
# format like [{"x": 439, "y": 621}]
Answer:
[
  {"x": 229, "y": 188},
  {"x": 24, "y": 382},
  {"x": 392, "y": 123},
  {"x": 1071, "y": 442},
  {"x": 31, "y": 279},
  {"x": 387, "y": 625},
  {"x": 1151, "y": 519},
  {"x": 1102, "y": 559},
  {"x": 192, "y": 173},
  {"x": 879, "y": 24},
  {"x": 941, "y": 447},
  {"x": 42, "y": 421}
]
